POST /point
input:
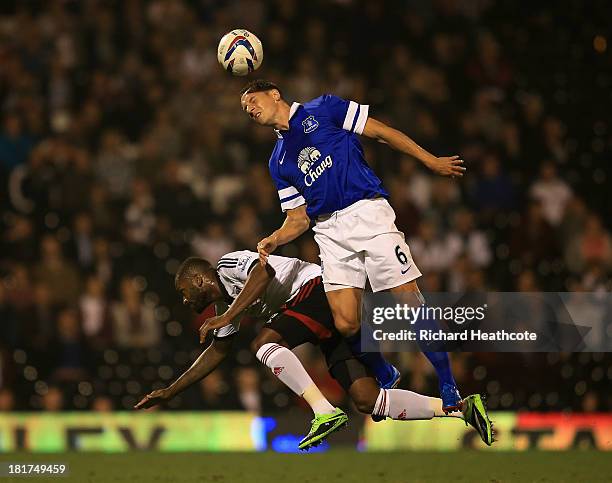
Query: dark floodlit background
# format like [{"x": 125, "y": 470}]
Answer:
[{"x": 123, "y": 150}]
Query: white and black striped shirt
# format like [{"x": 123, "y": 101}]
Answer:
[{"x": 291, "y": 274}]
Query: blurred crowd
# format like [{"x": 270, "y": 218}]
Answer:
[{"x": 123, "y": 150}]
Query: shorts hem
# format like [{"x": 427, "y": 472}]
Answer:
[
  {"x": 395, "y": 284},
  {"x": 340, "y": 286}
]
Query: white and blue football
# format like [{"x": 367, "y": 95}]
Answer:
[{"x": 240, "y": 52}]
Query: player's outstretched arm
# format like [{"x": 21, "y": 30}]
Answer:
[
  {"x": 445, "y": 166},
  {"x": 208, "y": 361},
  {"x": 296, "y": 223},
  {"x": 256, "y": 283}
]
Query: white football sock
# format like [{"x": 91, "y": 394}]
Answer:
[
  {"x": 287, "y": 367},
  {"x": 407, "y": 405}
]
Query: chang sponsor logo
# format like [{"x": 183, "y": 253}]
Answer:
[
  {"x": 307, "y": 158},
  {"x": 313, "y": 174}
]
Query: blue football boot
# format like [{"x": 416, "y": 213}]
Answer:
[{"x": 451, "y": 399}]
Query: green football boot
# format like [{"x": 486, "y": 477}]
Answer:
[
  {"x": 475, "y": 414},
  {"x": 322, "y": 426}
]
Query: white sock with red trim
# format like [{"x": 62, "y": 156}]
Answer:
[
  {"x": 287, "y": 367},
  {"x": 407, "y": 405}
]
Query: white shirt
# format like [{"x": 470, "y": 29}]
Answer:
[
  {"x": 554, "y": 195},
  {"x": 291, "y": 274}
]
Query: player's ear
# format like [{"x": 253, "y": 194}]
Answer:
[
  {"x": 276, "y": 95},
  {"x": 198, "y": 280}
]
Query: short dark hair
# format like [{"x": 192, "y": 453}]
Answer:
[
  {"x": 191, "y": 267},
  {"x": 260, "y": 85}
]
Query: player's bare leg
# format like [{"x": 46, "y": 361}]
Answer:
[
  {"x": 345, "y": 304},
  {"x": 273, "y": 351},
  {"x": 409, "y": 293}
]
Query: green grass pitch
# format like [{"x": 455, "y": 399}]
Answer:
[{"x": 337, "y": 466}]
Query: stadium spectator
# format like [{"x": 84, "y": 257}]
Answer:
[
  {"x": 213, "y": 243},
  {"x": 114, "y": 165},
  {"x": 533, "y": 240},
  {"x": 527, "y": 282},
  {"x": 589, "y": 246},
  {"x": 595, "y": 279},
  {"x": 574, "y": 218},
  {"x": 7, "y": 400},
  {"x": 554, "y": 140},
  {"x": 457, "y": 278},
  {"x": 216, "y": 394},
  {"x": 140, "y": 213},
  {"x": 101, "y": 211},
  {"x": 15, "y": 143},
  {"x": 53, "y": 399},
  {"x": 407, "y": 214},
  {"x": 71, "y": 358},
  {"x": 416, "y": 183},
  {"x": 102, "y": 404},
  {"x": 82, "y": 244},
  {"x": 175, "y": 199},
  {"x": 57, "y": 273},
  {"x": 19, "y": 241},
  {"x": 95, "y": 313},
  {"x": 465, "y": 239},
  {"x": 445, "y": 200},
  {"x": 134, "y": 322},
  {"x": 595, "y": 243},
  {"x": 428, "y": 251},
  {"x": 246, "y": 228},
  {"x": 104, "y": 263},
  {"x": 493, "y": 192},
  {"x": 552, "y": 192},
  {"x": 39, "y": 326},
  {"x": 18, "y": 285},
  {"x": 490, "y": 68},
  {"x": 75, "y": 181},
  {"x": 247, "y": 386}
]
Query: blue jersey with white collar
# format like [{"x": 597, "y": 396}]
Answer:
[{"x": 319, "y": 160}]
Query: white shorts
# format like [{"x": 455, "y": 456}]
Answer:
[{"x": 361, "y": 242}]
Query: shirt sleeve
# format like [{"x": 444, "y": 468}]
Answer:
[
  {"x": 234, "y": 266},
  {"x": 288, "y": 194},
  {"x": 348, "y": 115},
  {"x": 226, "y": 330},
  {"x": 237, "y": 265},
  {"x": 290, "y": 198}
]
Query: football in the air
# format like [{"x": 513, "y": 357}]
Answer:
[{"x": 240, "y": 52}]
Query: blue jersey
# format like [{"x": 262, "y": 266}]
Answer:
[{"x": 319, "y": 160}]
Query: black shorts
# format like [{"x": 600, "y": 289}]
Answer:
[{"x": 308, "y": 318}]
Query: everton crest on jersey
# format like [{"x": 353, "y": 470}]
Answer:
[
  {"x": 319, "y": 160},
  {"x": 310, "y": 124}
]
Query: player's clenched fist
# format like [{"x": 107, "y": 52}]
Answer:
[
  {"x": 265, "y": 247},
  {"x": 153, "y": 399}
]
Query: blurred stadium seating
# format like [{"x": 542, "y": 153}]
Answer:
[{"x": 123, "y": 149}]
